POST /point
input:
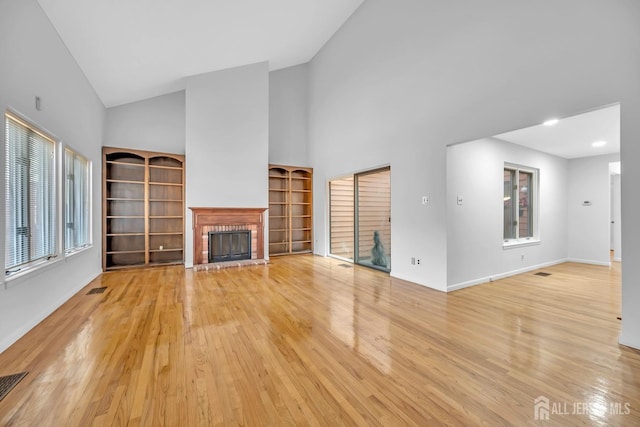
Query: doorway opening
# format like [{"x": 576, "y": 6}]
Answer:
[
  {"x": 616, "y": 217},
  {"x": 360, "y": 218}
]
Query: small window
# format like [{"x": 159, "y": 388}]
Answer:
[
  {"x": 30, "y": 195},
  {"x": 77, "y": 201},
  {"x": 520, "y": 204}
]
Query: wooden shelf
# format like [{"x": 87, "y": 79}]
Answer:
[
  {"x": 122, "y": 181},
  {"x": 165, "y": 167},
  {"x": 166, "y": 183},
  {"x": 124, "y": 252},
  {"x": 142, "y": 208},
  {"x": 290, "y": 209}
]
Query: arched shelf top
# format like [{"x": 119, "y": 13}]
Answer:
[
  {"x": 165, "y": 161},
  {"x": 124, "y": 157}
]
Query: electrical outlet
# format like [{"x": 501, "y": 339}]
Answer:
[
  {"x": 418, "y": 261},
  {"x": 425, "y": 200},
  {"x": 521, "y": 257}
]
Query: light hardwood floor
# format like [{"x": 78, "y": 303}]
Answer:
[{"x": 313, "y": 341}]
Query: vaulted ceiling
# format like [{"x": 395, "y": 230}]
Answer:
[{"x": 135, "y": 49}]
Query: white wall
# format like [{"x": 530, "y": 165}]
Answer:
[
  {"x": 589, "y": 226},
  {"x": 36, "y": 63},
  {"x": 154, "y": 124},
  {"x": 288, "y": 116},
  {"x": 630, "y": 158},
  {"x": 227, "y": 141},
  {"x": 402, "y": 80},
  {"x": 475, "y": 251}
]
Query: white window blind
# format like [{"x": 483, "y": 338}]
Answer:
[
  {"x": 77, "y": 207},
  {"x": 30, "y": 226}
]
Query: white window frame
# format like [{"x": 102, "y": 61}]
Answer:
[
  {"x": 87, "y": 195},
  {"x": 17, "y": 274},
  {"x": 535, "y": 210},
  {"x": 15, "y": 271}
]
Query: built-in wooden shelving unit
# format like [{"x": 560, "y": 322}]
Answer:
[
  {"x": 143, "y": 208},
  {"x": 290, "y": 210}
]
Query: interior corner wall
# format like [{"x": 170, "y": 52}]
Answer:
[
  {"x": 288, "y": 116},
  {"x": 630, "y": 177},
  {"x": 402, "y": 80},
  {"x": 35, "y": 62},
  {"x": 227, "y": 142},
  {"x": 154, "y": 124},
  {"x": 475, "y": 251},
  {"x": 589, "y": 224}
]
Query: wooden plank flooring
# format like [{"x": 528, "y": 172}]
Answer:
[{"x": 308, "y": 341}]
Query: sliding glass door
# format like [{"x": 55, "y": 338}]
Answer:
[
  {"x": 360, "y": 218},
  {"x": 373, "y": 218}
]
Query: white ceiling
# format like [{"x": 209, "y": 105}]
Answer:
[
  {"x": 135, "y": 49},
  {"x": 572, "y": 137}
]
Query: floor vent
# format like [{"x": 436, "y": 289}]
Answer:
[
  {"x": 9, "y": 382},
  {"x": 97, "y": 291},
  {"x": 345, "y": 265},
  {"x": 543, "y": 274}
]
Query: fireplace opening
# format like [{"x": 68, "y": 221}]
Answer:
[{"x": 229, "y": 245}]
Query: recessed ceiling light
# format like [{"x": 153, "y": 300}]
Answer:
[
  {"x": 551, "y": 122},
  {"x": 599, "y": 143}
]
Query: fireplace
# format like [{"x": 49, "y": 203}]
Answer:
[
  {"x": 229, "y": 245},
  {"x": 227, "y": 222}
]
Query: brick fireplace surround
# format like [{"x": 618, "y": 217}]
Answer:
[{"x": 226, "y": 219}]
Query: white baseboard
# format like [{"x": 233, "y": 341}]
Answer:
[
  {"x": 413, "y": 280},
  {"x": 499, "y": 276},
  {"x": 588, "y": 261},
  {"x": 629, "y": 342},
  {"x": 35, "y": 320}
]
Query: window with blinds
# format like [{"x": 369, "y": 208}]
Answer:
[
  {"x": 520, "y": 204},
  {"x": 30, "y": 199},
  {"x": 77, "y": 203}
]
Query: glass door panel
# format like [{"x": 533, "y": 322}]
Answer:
[
  {"x": 373, "y": 219},
  {"x": 341, "y": 209}
]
